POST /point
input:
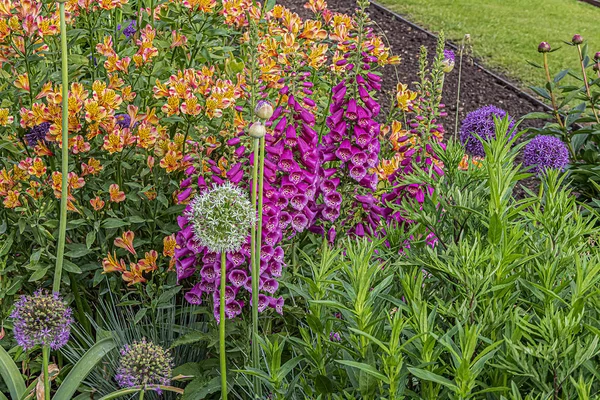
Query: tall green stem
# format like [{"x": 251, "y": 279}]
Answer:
[
  {"x": 222, "y": 354},
  {"x": 142, "y": 393},
  {"x": 460, "y": 61},
  {"x": 255, "y": 270},
  {"x": 587, "y": 84},
  {"x": 552, "y": 97},
  {"x": 62, "y": 229},
  {"x": 45, "y": 360}
]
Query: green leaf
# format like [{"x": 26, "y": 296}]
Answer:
[
  {"x": 90, "y": 238},
  {"x": 430, "y": 376},
  {"x": 11, "y": 375},
  {"x": 39, "y": 274},
  {"x": 192, "y": 337},
  {"x": 83, "y": 367},
  {"x": 199, "y": 388},
  {"x": 111, "y": 223},
  {"x": 71, "y": 267},
  {"x": 77, "y": 250},
  {"x": 369, "y": 369},
  {"x": 6, "y": 246},
  {"x": 323, "y": 384}
]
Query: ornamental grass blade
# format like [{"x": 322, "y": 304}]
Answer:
[
  {"x": 83, "y": 367},
  {"x": 11, "y": 375}
]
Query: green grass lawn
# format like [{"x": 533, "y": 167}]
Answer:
[{"x": 506, "y": 33}]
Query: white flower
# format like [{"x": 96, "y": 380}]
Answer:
[{"x": 221, "y": 218}]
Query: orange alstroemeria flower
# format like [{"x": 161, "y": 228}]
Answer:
[
  {"x": 169, "y": 246},
  {"x": 148, "y": 263},
  {"x": 116, "y": 196},
  {"x": 97, "y": 203},
  {"x": 134, "y": 275},
  {"x": 110, "y": 264},
  {"x": 126, "y": 242}
]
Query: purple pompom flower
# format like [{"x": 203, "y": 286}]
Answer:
[
  {"x": 37, "y": 134},
  {"x": 545, "y": 152},
  {"x": 42, "y": 319},
  {"x": 479, "y": 125},
  {"x": 123, "y": 120},
  {"x": 144, "y": 363}
]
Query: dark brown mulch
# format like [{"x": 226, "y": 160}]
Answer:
[{"x": 477, "y": 88}]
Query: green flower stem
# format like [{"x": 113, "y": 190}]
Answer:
[
  {"x": 142, "y": 392},
  {"x": 255, "y": 269},
  {"x": 255, "y": 290},
  {"x": 45, "y": 360},
  {"x": 552, "y": 97},
  {"x": 587, "y": 84},
  {"x": 62, "y": 229},
  {"x": 222, "y": 354},
  {"x": 460, "y": 61}
]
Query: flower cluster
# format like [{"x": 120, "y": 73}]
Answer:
[
  {"x": 545, "y": 152},
  {"x": 144, "y": 363},
  {"x": 135, "y": 273},
  {"x": 480, "y": 125},
  {"x": 41, "y": 319}
]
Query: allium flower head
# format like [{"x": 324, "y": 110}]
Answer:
[
  {"x": 37, "y": 134},
  {"x": 42, "y": 319},
  {"x": 448, "y": 61},
  {"x": 479, "y": 125},
  {"x": 123, "y": 120},
  {"x": 544, "y": 152},
  {"x": 144, "y": 363},
  {"x": 221, "y": 218}
]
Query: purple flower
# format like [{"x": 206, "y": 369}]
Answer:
[
  {"x": 42, "y": 319},
  {"x": 123, "y": 120},
  {"x": 335, "y": 337},
  {"x": 144, "y": 363},
  {"x": 37, "y": 134},
  {"x": 479, "y": 125},
  {"x": 130, "y": 30},
  {"x": 545, "y": 152}
]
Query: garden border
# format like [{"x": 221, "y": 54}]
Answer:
[
  {"x": 592, "y": 2},
  {"x": 501, "y": 80}
]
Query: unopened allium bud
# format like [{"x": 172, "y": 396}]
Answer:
[
  {"x": 597, "y": 56},
  {"x": 264, "y": 110},
  {"x": 42, "y": 319},
  {"x": 577, "y": 39},
  {"x": 544, "y": 47},
  {"x": 144, "y": 363},
  {"x": 596, "y": 67},
  {"x": 448, "y": 62},
  {"x": 257, "y": 130},
  {"x": 221, "y": 218}
]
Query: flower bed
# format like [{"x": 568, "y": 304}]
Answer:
[{"x": 229, "y": 199}]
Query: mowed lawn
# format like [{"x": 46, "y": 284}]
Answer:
[{"x": 505, "y": 33}]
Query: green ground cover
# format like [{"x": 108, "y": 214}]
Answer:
[{"x": 506, "y": 33}]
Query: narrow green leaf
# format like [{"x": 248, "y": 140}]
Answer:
[
  {"x": 430, "y": 376},
  {"x": 369, "y": 369},
  {"x": 11, "y": 375},
  {"x": 83, "y": 367}
]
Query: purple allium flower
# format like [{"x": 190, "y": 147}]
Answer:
[
  {"x": 544, "y": 152},
  {"x": 144, "y": 363},
  {"x": 335, "y": 337},
  {"x": 479, "y": 125},
  {"x": 42, "y": 319},
  {"x": 37, "y": 134},
  {"x": 130, "y": 30},
  {"x": 123, "y": 120}
]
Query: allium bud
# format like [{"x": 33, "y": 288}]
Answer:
[
  {"x": 597, "y": 56},
  {"x": 144, "y": 363},
  {"x": 596, "y": 67},
  {"x": 257, "y": 130},
  {"x": 448, "y": 62},
  {"x": 577, "y": 39},
  {"x": 42, "y": 319},
  {"x": 544, "y": 47},
  {"x": 221, "y": 218},
  {"x": 264, "y": 110}
]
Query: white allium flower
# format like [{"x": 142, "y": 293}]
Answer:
[{"x": 221, "y": 218}]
